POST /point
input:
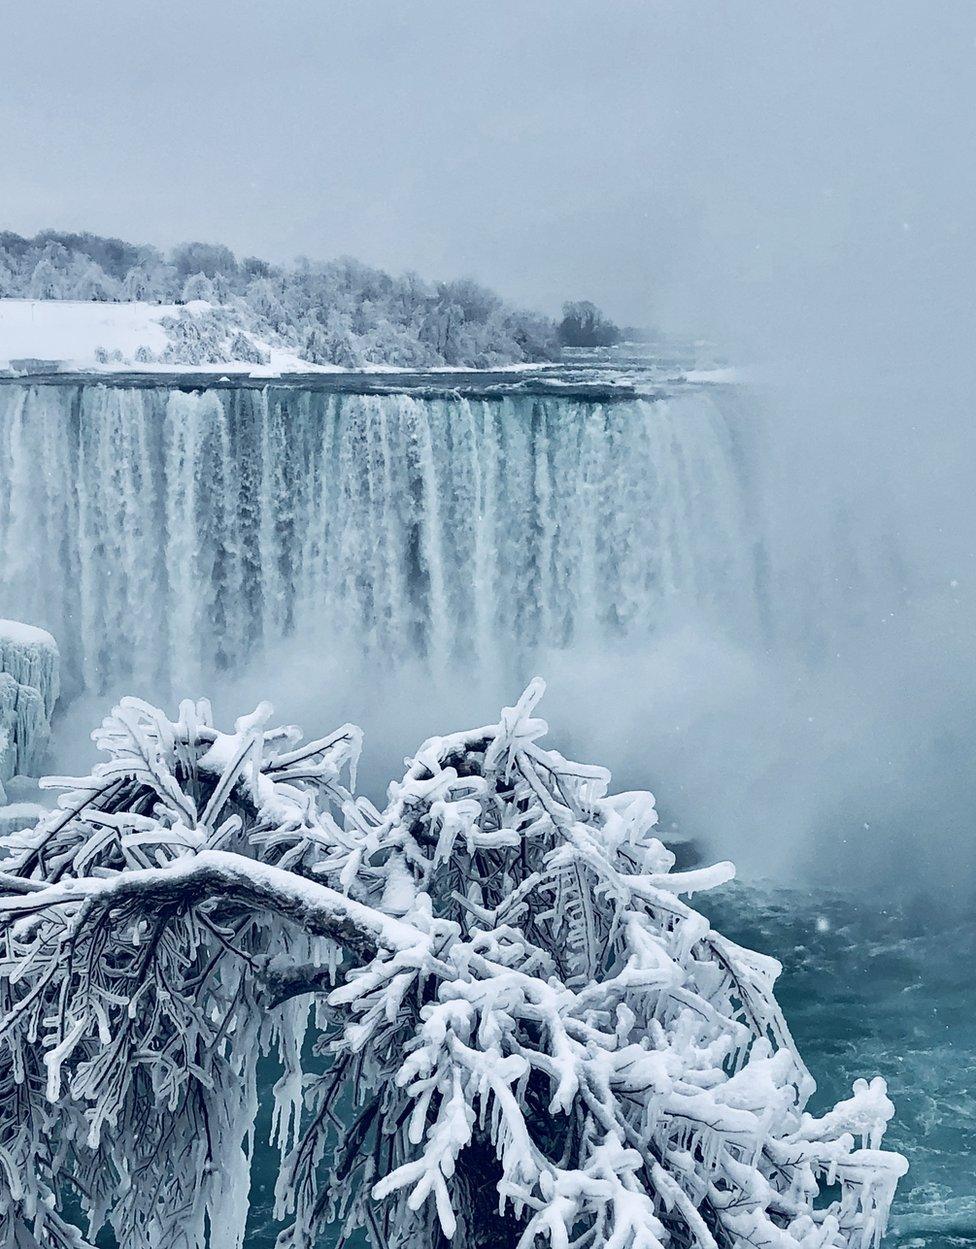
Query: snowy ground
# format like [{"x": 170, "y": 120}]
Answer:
[
  {"x": 61, "y": 329},
  {"x": 75, "y": 333}
]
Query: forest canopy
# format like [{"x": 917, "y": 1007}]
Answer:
[{"x": 335, "y": 312}]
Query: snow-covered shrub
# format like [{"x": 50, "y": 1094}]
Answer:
[
  {"x": 244, "y": 348},
  {"x": 529, "y": 1037},
  {"x": 104, "y": 356},
  {"x": 195, "y": 336}
]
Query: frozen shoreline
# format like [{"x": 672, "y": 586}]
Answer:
[{"x": 463, "y": 383}]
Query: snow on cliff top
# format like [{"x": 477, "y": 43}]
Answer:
[
  {"x": 87, "y": 336},
  {"x": 26, "y": 635}
]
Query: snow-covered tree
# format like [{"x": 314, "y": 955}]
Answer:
[
  {"x": 197, "y": 286},
  {"x": 9, "y": 280},
  {"x": 244, "y": 348},
  {"x": 584, "y": 325},
  {"x": 153, "y": 281},
  {"x": 527, "y": 1036},
  {"x": 340, "y": 311},
  {"x": 333, "y": 342},
  {"x": 46, "y": 282},
  {"x": 93, "y": 283},
  {"x": 206, "y": 258}
]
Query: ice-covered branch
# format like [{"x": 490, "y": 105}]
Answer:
[
  {"x": 216, "y": 875},
  {"x": 532, "y": 1035}
]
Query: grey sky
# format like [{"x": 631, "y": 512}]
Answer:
[{"x": 714, "y": 163}]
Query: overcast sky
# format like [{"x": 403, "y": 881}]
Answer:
[{"x": 705, "y": 163}]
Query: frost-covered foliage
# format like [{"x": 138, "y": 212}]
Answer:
[
  {"x": 202, "y": 335},
  {"x": 526, "y": 1036},
  {"x": 341, "y": 312}
]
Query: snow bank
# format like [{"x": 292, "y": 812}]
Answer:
[{"x": 105, "y": 337}]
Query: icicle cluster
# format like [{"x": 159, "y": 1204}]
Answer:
[{"x": 526, "y": 1036}]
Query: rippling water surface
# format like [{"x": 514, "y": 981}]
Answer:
[{"x": 870, "y": 990}]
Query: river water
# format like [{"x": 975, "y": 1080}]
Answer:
[{"x": 870, "y": 989}]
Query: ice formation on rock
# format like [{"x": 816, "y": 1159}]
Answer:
[
  {"x": 29, "y": 686},
  {"x": 30, "y": 655}
]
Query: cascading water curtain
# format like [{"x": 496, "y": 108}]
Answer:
[{"x": 163, "y": 536}]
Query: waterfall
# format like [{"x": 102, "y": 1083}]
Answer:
[{"x": 163, "y": 535}]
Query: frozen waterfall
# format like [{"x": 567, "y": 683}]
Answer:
[{"x": 163, "y": 535}]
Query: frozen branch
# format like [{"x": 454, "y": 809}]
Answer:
[{"x": 533, "y": 1037}]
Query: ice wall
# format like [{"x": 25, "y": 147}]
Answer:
[
  {"x": 165, "y": 535},
  {"x": 29, "y": 686},
  {"x": 30, "y": 656}
]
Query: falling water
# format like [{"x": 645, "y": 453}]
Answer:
[{"x": 164, "y": 535}]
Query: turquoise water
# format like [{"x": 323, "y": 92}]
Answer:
[{"x": 868, "y": 990}]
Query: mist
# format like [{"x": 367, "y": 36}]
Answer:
[
  {"x": 829, "y": 158},
  {"x": 853, "y": 769}
]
